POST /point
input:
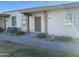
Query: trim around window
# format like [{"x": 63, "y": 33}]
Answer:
[{"x": 68, "y": 19}]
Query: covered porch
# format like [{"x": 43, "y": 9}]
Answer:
[
  {"x": 3, "y": 21},
  {"x": 36, "y": 21}
]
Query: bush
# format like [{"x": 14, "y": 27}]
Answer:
[
  {"x": 1, "y": 29},
  {"x": 12, "y": 29},
  {"x": 41, "y": 35},
  {"x": 18, "y": 33},
  {"x": 63, "y": 38}
]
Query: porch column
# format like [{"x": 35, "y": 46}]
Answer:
[
  {"x": 28, "y": 23},
  {"x": 1, "y": 22},
  {"x": 45, "y": 21}
]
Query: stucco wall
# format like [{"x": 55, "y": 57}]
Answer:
[
  {"x": 32, "y": 21},
  {"x": 56, "y": 21},
  {"x": 19, "y": 18},
  {"x": 1, "y": 22},
  {"x": 75, "y": 13},
  {"x": 32, "y": 25}
]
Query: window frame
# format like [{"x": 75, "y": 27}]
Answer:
[{"x": 69, "y": 17}]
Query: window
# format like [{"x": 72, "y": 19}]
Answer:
[
  {"x": 13, "y": 20},
  {"x": 69, "y": 17}
]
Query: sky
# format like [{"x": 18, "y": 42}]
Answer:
[{"x": 14, "y": 5}]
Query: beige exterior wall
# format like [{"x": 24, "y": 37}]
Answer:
[{"x": 56, "y": 12}]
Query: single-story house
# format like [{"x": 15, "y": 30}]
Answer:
[{"x": 61, "y": 20}]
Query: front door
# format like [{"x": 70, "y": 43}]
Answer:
[{"x": 37, "y": 24}]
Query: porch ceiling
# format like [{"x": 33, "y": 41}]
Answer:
[
  {"x": 29, "y": 14},
  {"x": 4, "y": 15},
  {"x": 38, "y": 9}
]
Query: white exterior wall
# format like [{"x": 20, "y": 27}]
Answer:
[
  {"x": 56, "y": 24},
  {"x": 73, "y": 30},
  {"x": 75, "y": 26},
  {"x": 32, "y": 22},
  {"x": 19, "y": 18}
]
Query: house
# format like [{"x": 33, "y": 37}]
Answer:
[{"x": 61, "y": 20}]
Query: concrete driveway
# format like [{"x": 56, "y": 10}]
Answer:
[{"x": 30, "y": 39}]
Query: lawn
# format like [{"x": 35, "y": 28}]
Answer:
[{"x": 10, "y": 49}]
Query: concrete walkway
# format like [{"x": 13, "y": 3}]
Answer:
[{"x": 30, "y": 39}]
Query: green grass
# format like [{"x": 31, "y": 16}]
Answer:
[
  {"x": 12, "y": 49},
  {"x": 39, "y": 53},
  {"x": 30, "y": 53}
]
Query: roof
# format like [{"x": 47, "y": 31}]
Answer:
[
  {"x": 43, "y": 8},
  {"x": 4, "y": 15}
]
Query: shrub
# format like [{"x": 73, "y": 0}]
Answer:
[
  {"x": 63, "y": 38},
  {"x": 12, "y": 29},
  {"x": 18, "y": 33},
  {"x": 41, "y": 35},
  {"x": 1, "y": 29}
]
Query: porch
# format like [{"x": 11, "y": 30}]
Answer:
[
  {"x": 3, "y": 21},
  {"x": 36, "y": 21}
]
